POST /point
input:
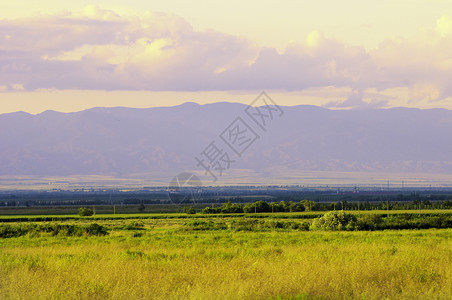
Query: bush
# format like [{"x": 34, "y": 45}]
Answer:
[
  {"x": 85, "y": 212},
  {"x": 95, "y": 229},
  {"x": 335, "y": 221},
  {"x": 189, "y": 210},
  {"x": 245, "y": 225},
  {"x": 9, "y": 231},
  {"x": 286, "y": 225},
  {"x": 369, "y": 222},
  {"x": 416, "y": 222},
  {"x": 203, "y": 225},
  {"x": 134, "y": 225}
]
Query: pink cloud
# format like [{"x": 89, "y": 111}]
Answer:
[{"x": 102, "y": 50}]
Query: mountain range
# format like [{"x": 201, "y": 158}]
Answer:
[{"x": 124, "y": 141}]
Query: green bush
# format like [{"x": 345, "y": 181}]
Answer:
[
  {"x": 191, "y": 211},
  {"x": 95, "y": 229},
  {"x": 245, "y": 225},
  {"x": 9, "y": 231},
  {"x": 205, "y": 225},
  {"x": 134, "y": 225},
  {"x": 369, "y": 222},
  {"x": 85, "y": 212},
  {"x": 409, "y": 221},
  {"x": 335, "y": 221}
]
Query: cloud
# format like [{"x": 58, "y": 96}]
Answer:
[
  {"x": 358, "y": 100},
  {"x": 420, "y": 62},
  {"x": 317, "y": 61},
  {"x": 100, "y": 50}
]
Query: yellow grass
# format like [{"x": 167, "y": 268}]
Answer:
[{"x": 166, "y": 262}]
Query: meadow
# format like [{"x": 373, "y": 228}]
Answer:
[{"x": 246, "y": 256}]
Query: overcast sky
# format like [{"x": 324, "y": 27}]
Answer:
[{"x": 73, "y": 55}]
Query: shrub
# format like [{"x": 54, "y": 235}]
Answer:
[
  {"x": 85, "y": 212},
  {"x": 369, "y": 222},
  {"x": 9, "y": 231},
  {"x": 134, "y": 225},
  {"x": 189, "y": 210},
  {"x": 416, "y": 222},
  {"x": 205, "y": 225},
  {"x": 95, "y": 229},
  {"x": 245, "y": 225},
  {"x": 335, "y": 221}
]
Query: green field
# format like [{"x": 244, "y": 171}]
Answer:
[
  {"x": 245, "y": 256},
  {"x": 99, "y": 209}
]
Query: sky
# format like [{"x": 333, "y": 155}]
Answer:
[{"x": 73, "y": 55}]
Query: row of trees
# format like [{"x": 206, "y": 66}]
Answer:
[
  {"x": 261, "y": 206},
  {"x": 307, "y": 205}
]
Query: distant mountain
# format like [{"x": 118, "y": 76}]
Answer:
[{"x": 123, "y": 141}]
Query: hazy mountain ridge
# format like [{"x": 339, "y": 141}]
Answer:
[{"x": 121, "y": 141}]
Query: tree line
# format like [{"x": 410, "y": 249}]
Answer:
[{"x": 308, "y": 205}]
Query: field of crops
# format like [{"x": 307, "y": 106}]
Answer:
[{"x": 267, "y": 256}]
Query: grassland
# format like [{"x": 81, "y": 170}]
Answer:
[{"x": 219, "y": 257}]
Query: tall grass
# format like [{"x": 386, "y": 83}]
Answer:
[{"x": 161, "y": 259}]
